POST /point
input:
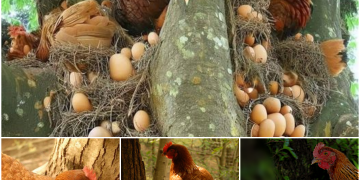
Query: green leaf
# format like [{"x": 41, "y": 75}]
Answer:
[{"x": 286, "y": 143}]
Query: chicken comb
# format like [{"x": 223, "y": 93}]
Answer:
[
  {"x": 317, "y": 148},
  {"x": 167, "y": 145},
  {"x": 89, "y": 173}
]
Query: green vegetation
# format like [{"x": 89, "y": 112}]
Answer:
[{"x": 20, "y": 12}]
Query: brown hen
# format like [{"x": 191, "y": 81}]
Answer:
[{"x": 290, "y": 15}]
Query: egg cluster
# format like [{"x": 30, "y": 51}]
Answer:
[
  {"x": 272, "y": 120},
  {"x": 82, "y": 83}
]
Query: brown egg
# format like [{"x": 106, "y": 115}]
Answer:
[
  {"x": 141, "y": 121},
  {"x": 76, "y": 79},
  {"x": 258, "y": 113},
  {"x": 138, "y": 50},
  {"x": 285, "y": 109},
  {"x": 255, "y": 14},
  {"x": 126, "y": 52},
  {"x": 47, "y": 102},
  {"x": 80, "y": 103},
  {"x": 252, "y": 92},
  {"x": 120, "y": 67},
  {"x": 250, "y": 39},
  {"x": 299, "y": 131},
  {"x": 288, "y": 91},
  {"x": 115, "y": 127},
  {"x": 273, "y": 87},
  {"x": 280, "y": 123},
  {"x": 290, "y": 78},
  {"x": 290, "y": 124},
  {"x": 260, "y": 87},
  {"x": 241, "y": 96},
  {"x": 99, "y": 132},
  {"x": 267, "y": 128},
  {"x": 244, "y": 10},
  {"x": 249, "y": 53},
  {"x": 153, "y": 38},
  {"x": 309, "y": 37},
  {"x": 272, "y": 105},
  {"x": 27, "y": 49},
  {"x": 92, "y": 76},
  {"x": 260, "y": 54},
  {"x": 297, "y": 36},
  {"x": 255, "y": 130},
  {"x": 298, "y": 93}
]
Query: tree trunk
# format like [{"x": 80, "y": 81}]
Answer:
[
  {"x": 223, "y": 160},
  {"x": 192, "y": 76},
  {"x": 100, "y": 154},
  {"x": 162, "y": 169},
  {"x": 23, "y": 91},
  {"x": 339, "y": 117},
  {"x": 132, "y": 166}
]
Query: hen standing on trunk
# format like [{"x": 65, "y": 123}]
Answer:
[
  {"x": 335, "y": 162},
  {"x": 183, "y": 166}
]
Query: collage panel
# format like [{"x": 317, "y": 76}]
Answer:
[
  {"x": 180, "y": 159},
  {"x": 60, "y": 159},
  {"x": 310, "y": 159}
]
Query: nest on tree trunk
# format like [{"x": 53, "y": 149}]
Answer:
[
  {"x": 111, "y": 100},
  {"x": 306, "y": 59}
]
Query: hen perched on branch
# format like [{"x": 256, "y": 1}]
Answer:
[
  {"x": 140, "y": 16},
  {"x": 335, "y": 162},
  {"x": 183, "y": 166},
  {"x": 290, "y": 15},
  {"x": 22, "y": 42}
]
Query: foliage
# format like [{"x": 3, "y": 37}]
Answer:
[
  {"x": 20, "y": 12},
  {"x": 283, "y": 152}
]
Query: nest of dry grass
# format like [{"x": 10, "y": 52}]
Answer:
[
  {"x": 28, "y": 61},
  {"x": 297, "y": 111},
  {"x": 252, "y": 71},
  {"x": 111, "y": 100},
  {"x": 305, "y": 58}
]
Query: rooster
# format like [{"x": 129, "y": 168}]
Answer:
[
  {"x": 290, "y": 15},
  {"x": 22, "y": 42},
  {"x": 11, "y": 169},
  {"x": 335, "y": 162},
  {"x": 183, "y": 166}
]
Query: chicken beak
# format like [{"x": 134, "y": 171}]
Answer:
[{"x": 315, "y": 160}]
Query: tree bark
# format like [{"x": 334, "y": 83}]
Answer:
[
  {"x": 223, "y": 159},
  {"x": 339, "y": 117},
  {"x": 162, "y": 168},
  {"x": 23, "y": 91},
  {"x": 102, "y": 155},
  {"x": 192, "y": 76},
  {"x": 132, "y": 166}
]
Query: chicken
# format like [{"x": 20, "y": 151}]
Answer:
[
  {"x": 335, "y": 162},
  {"x": 139, "y": 16},
  {"x": 183, "y": 166},
  {"x": 290, "y": 16},
  {"x": 335, "y": 55},
  {"x": 78, "y": 174},
  {"x": 11, "y": 169},
  {"x": 21, "y": 42}
]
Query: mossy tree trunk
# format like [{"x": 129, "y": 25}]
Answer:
[
  {"x": 192, "y": 77},
  {"x": 162, "y": 168},
  {"x": 339, "y": 117},
  {"x": 132, "y": 165},
  {"x": 100, "y": 154}
]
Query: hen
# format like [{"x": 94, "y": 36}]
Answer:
[
  {"x": 290, "y": 15},
  {"x": 140, "y": 16},
  {"x": 335, "y": 162},
  {"x": 11, "y": 169},
  {"x": 183, "y": 166}
]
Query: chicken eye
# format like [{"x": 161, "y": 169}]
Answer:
[{"x": 325, "y": 153}]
